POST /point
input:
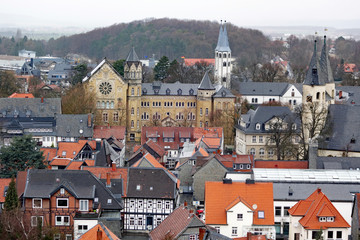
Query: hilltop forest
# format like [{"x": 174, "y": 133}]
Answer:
[{"x": 176, "y": 38}]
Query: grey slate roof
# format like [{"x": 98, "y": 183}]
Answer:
[
  {"x": 177, "y": 88},
  {"x": 319, "y": 71},
  {"x": 344, "y": 119},
  {"x": 263, "y": 114},
  {"x": 338, "y": 163},
  {"x": 206, "y": 83},
  {"x": 154, "y": 183},
  {"x": 353, "y": 94},
  {"x": 222, "y": 92},
  {"x": 42, "y": 183},
  {"x": 132, "y": 56},
  {"x": 223, "y": 41},
  {"x": 264, "y": 88},
  {"x": 334, "y": 191},
  {"x": 30, "y": 107},
  {"x": 73, "y": 125}
]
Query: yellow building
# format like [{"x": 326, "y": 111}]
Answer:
[{"x": 127, "y": 101}]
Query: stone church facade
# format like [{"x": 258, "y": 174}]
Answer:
[{"x": 128, "y": 102}]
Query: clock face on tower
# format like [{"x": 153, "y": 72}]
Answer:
[{"x": 105, "y": 88}]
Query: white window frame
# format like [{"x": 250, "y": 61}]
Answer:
[
  {"x": 239, "y": 216},
  {"x": 57, "y": 202},
  {"x": 68, "y": 237},
  {"x": 81, "y": 228},
  {"x": 253, "y": 140},
  {"x": 86, "y": 209},
  {"x": 62, "y": 222},
  {"x": 34, "y": 224},
  {"x": 34, "y": 199},
  {"x": 234, "y": 231},
  {"x": 261, "y": 214}
]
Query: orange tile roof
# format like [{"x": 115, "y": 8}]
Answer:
[
  {"x": 71, "y": 149},
  {"x": 21, "y": 95},
  {"x": 150, "y": 159},
  {"x": 100, "y": 172},
  {"x": 203, "y": 152},
  {"x": 49, "y": 153},
  {"x": 218, "y": 196},
  {"x": 350, "y": 67},
  {"x": 281, "y": 164},
  {"x": 199, "y": 132},
  {"x": 158, "y": 149},
  {"x": 74, "y": 165},
  {"x": 102, "y": 132},
  {"x": 92, "y": 233},
  {"x": 60, "y": 162},
  {"x": 136, "y": 147},
  {"x": 4, "y": 182},
  {"x": 315, "y": 206},
  {"x": 212, "y": 142},
  {"x": 194, "y": 61},
  {"x": 21, "y": 182},
  {"x": 90, "y": 162}
]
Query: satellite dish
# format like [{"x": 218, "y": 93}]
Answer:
[
  {"x": 254, "y": 206},
  {"x": 81, "y": 131}
]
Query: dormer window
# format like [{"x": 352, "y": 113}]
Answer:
[
  {"x": 353, "y": 140},
  {"x": 191, "y": 91},
  {"x": 179, "y": 91},
  {"x": 168, "y": 91},
  {"x": 144, "y": 91},
  {"x": 257, "y": 126},
  {"x": 293, "y": 127}
]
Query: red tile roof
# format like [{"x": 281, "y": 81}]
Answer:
[
  {"x": 350, "y": 67},
  {"x": 281, "y": 164},
  {"x": 106, "y": 234},
  {"x": 202, "y": 61},
  {"x": 4, "y": 182},
  {"x": 174, "y": 224},
  {"x": 212, "y": 142},
  {"x": 218, "y": 196},
  {"x": 315, "y": 206},
  {"x": 60, "y": 162},
  {"x": 49, "y": 153},
  {"x": 21, "y": 95},
  {"x": 74, "y": 165},
  {"x": 71, "y": 149},
  {"x": 104, "y": 132},
  {"x": 100, "y": 172},
  {"x": 21, "y": 182}
]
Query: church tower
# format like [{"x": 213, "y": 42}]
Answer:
[
  {"x": 133, "y": 76},
  {"x": 223, "y": 66}
]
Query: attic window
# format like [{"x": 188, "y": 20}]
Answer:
[
  {"x": 109, "y": 201},
  {"x": 144, "y": 91},
  {"x": 353, "y": 140},
  {"x": 62, "y": 191},
  {"x": 261, "y": 214},
  {"x": 138, "y": 187},
  {"x": 63, "y": 153},
  {"x": 179, "y": 91},
  {"x": 167, "y": 91},
  {"x": 191, "y": 91},
  {"x": 96, "y": 199},
  {"x": 258, "y": 126},
  {"x": 223, "y": 93},
  {"x": 151, "y": 188}
]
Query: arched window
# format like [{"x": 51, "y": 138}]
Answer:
[
  {"x": 317, "y": 95},
  {"x": 112, "y": 104},
  {"x": 224, "y": 55},
  {"x": 132, "y": 91},
  {"x": 137, "y": 111},
  {"x": 132, "y": 111},
  {"x": 132, "y": 123},
  {"x": 138, "y": 91}
]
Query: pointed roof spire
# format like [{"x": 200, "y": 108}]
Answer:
[
  {"x": 325, "y": 64},
  {"x": 132, "y": 57},
  {"x": 206, "y": 83},
  {"x": 223, "y": 41},
  {"x": 314, "y": 75}
]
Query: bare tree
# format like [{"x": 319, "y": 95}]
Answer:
[
  {"x": 312, "y": 116},
  {"x": 282, "y": 131}
]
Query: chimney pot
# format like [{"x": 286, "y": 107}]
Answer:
[
  {"x": 185, "y": 203},
  {"x": 202, "y": 233},
  {"x": 89, "y": 120},
  {"x": 108, "y": 182},
  {"x": 42, "y": 99},
  {"x": 113, "y": 166},
  {"x": 99, "y": 234}
]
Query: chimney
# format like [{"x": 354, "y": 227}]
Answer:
[
  {"x": 99, "y": 234},
  {"x": 89, "y": 120},
  {"x": 108, "y": 182},
  {"x": 248, "y": 235},
  {"x": 319, "y": 190},
  {"x": 191, "y": 211},
  {"x": 185, "y": 203},
  {"x": 227, "y": 181},
  {"x": 340, "y": 94},
  {"x": 113, "y": 166},
  {"x": 98, "y": 145},
  {"x": 42, "y": 99},
  {"x": 202, "y": 232}
]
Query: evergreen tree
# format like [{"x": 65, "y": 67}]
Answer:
[
  {"x": 119, "y": 66},
  {"x": 161, "y": 69},
  {"x": 11, "y": 199},
  {"x": 81, "y": 71},
  {"x": 23, "y": 153}
]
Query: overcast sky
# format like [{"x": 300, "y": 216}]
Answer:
[{"x": 92, "y": 14}]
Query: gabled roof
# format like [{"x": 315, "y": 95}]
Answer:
[
  {"x": 74, "y": 125},
  {"x": 106, "y": 233},
  {"x": 75, "y": 165},
  {"x": 176, "y": 223},
  {"x": 315, "y": 206},
  {"x": 219, "y": 195},
  {"x": 70, "y": 149},
  {"x": 264, "y": 88},
  {"x": 42, "y": 183},
  {"x": 98, "y": 67},
  {"x": 223, "y": 41},
  {"x": 222, "y": 92},
  {"x": 151, "y": 183},
  {"x": 147, "y": 161},
  {"x": 206, "y": 83}
]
